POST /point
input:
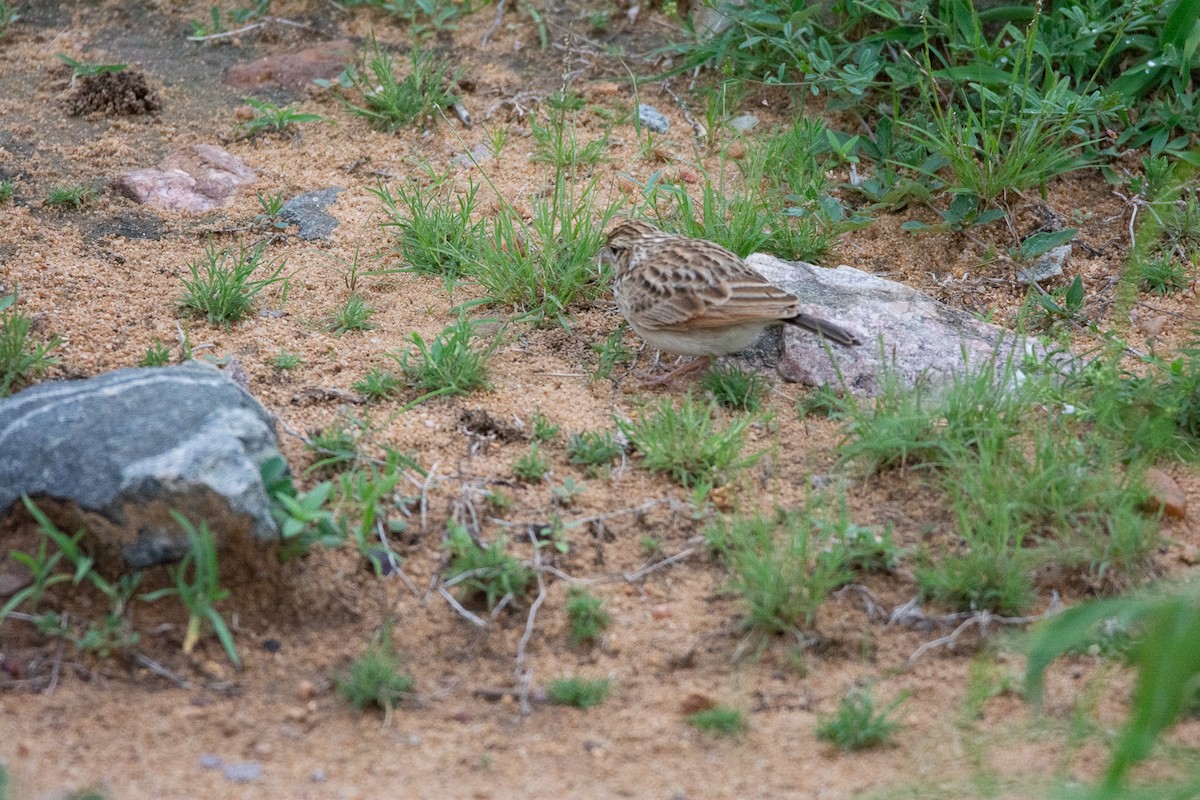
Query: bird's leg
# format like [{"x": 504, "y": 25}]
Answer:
[{"x": 695, "y": 365}]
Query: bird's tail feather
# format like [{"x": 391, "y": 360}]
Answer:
[{"x": 831, "y": 331}]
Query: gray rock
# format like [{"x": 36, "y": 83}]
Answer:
[
  {"x": 243, "y": 771},
  {"x": 307, "y": 212},
  {"x": 650, "y": 117},
  {"x": 743, "y": 122},
  {"x": 119, "y": 451},
  {"x": 479, "y": 154},
  {"x": 318, "y": 775},
  {"x": 910, "y": 332},
  {"x": 210, "y": 761},
  {"x": 1048, "y": 265}
]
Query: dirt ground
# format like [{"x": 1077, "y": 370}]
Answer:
[{"x": 107, "y": 278}]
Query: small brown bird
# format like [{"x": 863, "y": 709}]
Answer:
[{"x": 695, "y": 298}]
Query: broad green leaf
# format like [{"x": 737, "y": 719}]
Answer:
[
  {"x": 975, "y": 73},
  {"x": 1074, "y": 296},
  {"x": 1041, "y": 243}
]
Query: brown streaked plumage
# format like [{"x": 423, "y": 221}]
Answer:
[{"x": 695, "y": 298}]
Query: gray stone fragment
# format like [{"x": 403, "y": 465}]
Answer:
[
  {"x": 119, "y": 451},
  {"x": 243, "y": 771},
  {"x": 743, "y": 122},
  {"x": 913, "y": 334},
  {"x": 650, "y": 117},
  {"x": 1046, "y": 266},
  {"x": 307, "y": 212},
  {"x": 479, "y": 154},
  {"x": 210, "y": 761}
]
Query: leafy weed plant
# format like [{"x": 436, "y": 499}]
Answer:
[
  {"x": 376, "y": 678},
  {"x": 7, "y": 189},
  {"x": 556, "y": 142},
  {"x": 221, "y": 287},
  {"x": 548, "y": 265},
  {"x": 688, "y": 443},
  {"x": 75, "y": 197},
  {"x": 434, "y": 230},
  {"x": 421, "y": 17},
  {"x": 21, "y": 359},
  {"x": 857, "y": 725},
  {"x": 783, "y": 569},
  {"x": 8, "y": 15},
  {"x": 352, "y": 315},
  {"x": 488, "y": 571},
  {"x": 594, "y": 448},
  {"x": 283, "y": 360},
  {"x": 378, "y": 384},
  {"x": 735, "y": 388},
  {"x": 578, "y": 692},
  {"x": 389, "y": 102},
  {"x": 720, "y": 720},
  {"x": 1167, "y": 662},
  {"x": 304, "y": 518},
  {"x": 1164, "y": 275},
  {"x": 532, "y": 466},
  {"x": 586, "y": 615},
  {"x": 448, "y": 364},
  {"x": 337, "y": 446},
  {"x": 197, "y": 585},
  {"x": 157, "y": 354},
  {"x": 270, "y": 118}
]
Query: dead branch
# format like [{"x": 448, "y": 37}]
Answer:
[
  {"x": 247, "y": 28},
  {"x": 159, "y": 669},
  {"x": 474, "y": 619},
  {"x": 524, "y": 676},
  {"x": 495, "y": 26}
]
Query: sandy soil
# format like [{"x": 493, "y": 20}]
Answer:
[{"x": 107, "y": 279}]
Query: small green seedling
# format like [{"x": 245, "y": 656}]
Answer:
[
  {"x": 270, "y": 118},
  {"x": 80, "y": 69},
  {"x": 720, "y": 720},
  {"x": 74, "y": 196},
  {"x": 578, "y": 692},
  {"x": 856, "y": 725}
]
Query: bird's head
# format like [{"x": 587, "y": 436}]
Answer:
[{"x": 623, "y": 236}]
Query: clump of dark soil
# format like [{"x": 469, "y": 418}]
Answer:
[{"x": 114, "y": 94}]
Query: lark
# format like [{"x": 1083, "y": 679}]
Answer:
[{"x": 695, "y": 298}]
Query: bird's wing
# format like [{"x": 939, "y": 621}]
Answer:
[{"x": 712, "y": 289}]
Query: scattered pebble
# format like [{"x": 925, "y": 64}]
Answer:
[
  {"x": 243, "y": 771},
  {"x": 1048, "y": 265},
  {"x": 318, "y": 775},
  {"x": 696, "y": 702},
  {"x": 743, "y": 122},
  {"x": 307, "y": 212},
  {"x": 13, "y": 579},
  {"x": 212, "y": 669},
  {"x": 306, "y": 690},
  {"x": 272, "y": 645},
  {"x": 1152, "y": 327},
  {"x": 652, "y": 118},
  {"x": 1165, "y": 494},
  {"x": 478, "y": 154},
  {"x": 209, "y": 761}
]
